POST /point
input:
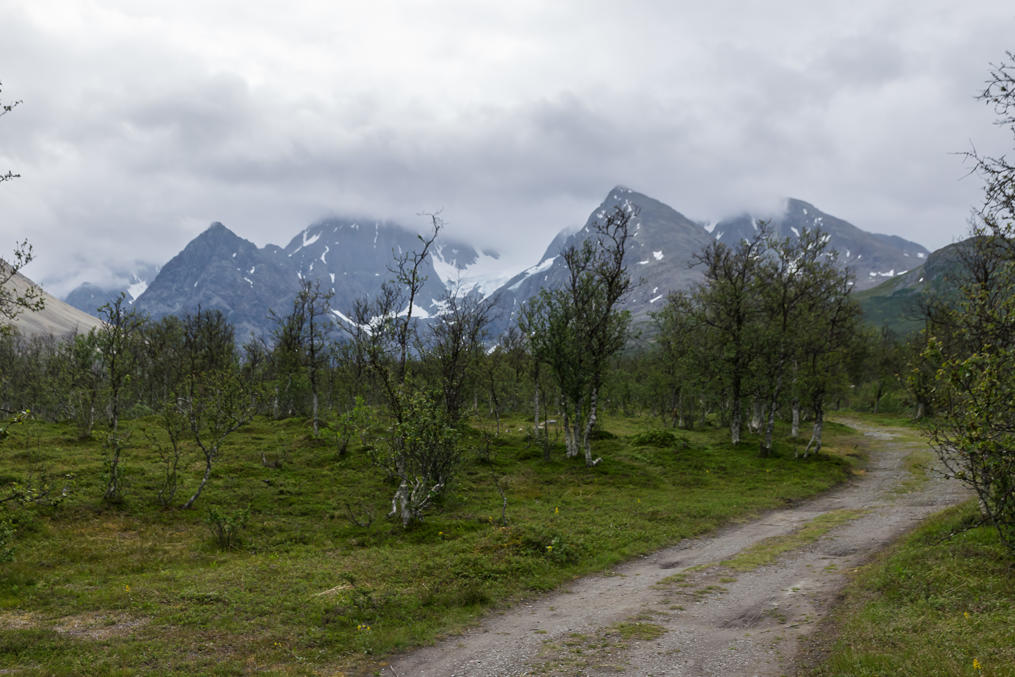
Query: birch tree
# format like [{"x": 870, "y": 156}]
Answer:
[
  {"x": 973, "y": 430},
  {"x": 801, "y": 291},
  {"x": 576, "y": 329},
  {"x": 211, "y": 398},
  {"x": 117, "y": 341},
  {"x": 421, "y": 452},
  {"x": 301, "y": 343},
  {"x": 727, "y": 307}
]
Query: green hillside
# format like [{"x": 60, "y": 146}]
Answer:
[{"x": 898, "y": 303}]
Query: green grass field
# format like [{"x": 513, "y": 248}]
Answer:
[
  {"x": 320, "y": 581},
  {"x": 941, "y": 602}
]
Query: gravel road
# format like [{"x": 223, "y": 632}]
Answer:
[{"x": 676, "y": 612}]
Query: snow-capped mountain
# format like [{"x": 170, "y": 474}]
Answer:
[
  {"x": 872, "y": 257},
  {"x": 132, "y": 282},
  {"x": 352, "y": 258},
  {"x": 219, "y": 270},
  {"x": 658, "y": 257}
]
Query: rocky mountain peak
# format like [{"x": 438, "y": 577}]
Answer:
[{"x": 353, "y": 257}]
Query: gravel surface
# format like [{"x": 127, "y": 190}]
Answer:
[{"x": 676, "y": 612}]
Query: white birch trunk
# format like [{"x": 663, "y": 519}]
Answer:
[
  {"x": 589, "y": 425},
  {"x": 317, "y": 424},
  {"x": 756, "y": 409},
  {"x": 736, "y": 422}
]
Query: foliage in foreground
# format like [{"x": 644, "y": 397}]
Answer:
[
  {"x": 941, "y": 603},
  {"x": 291, "y": 568},
  {"x": 971, "y": 344}
]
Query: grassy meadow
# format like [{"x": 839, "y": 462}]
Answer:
[
  {"x": 941, "y": 602},
  {"x": 315, "y": 579}
]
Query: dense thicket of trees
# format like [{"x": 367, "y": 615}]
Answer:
[{"x": 773, "y": 325}]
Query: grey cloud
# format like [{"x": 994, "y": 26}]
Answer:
[{"x": 515, "y": 122}]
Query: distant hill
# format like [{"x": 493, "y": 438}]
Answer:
[
  {"x": 56, "y": 318},
  {"x": 898, "y": 303}
]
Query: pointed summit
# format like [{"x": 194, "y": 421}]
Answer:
[
  {"x": 219, "y": 270},
  {"x": 217, "y": 235},
  {"x": 661, "y": 242}
]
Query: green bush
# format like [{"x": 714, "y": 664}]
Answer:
[
  {"x": 663, "y": 439},
  {"x": 225, "y": 526}
]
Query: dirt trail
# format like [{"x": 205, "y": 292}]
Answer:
[{"x": 670, "y": 613}]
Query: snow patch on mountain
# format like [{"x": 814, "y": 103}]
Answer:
[
  {"x": 541, "y": 267},
  {"x": 136, "y": 289},
  {"x": 308, "y": 240},
  {"x": 485, "y": 275}
]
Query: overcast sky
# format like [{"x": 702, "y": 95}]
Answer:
[{"x": 143, "y": 121}]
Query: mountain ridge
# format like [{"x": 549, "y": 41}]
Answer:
[{"x": 352, "y": 258}]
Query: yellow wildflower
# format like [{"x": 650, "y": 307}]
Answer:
[{"x": 976, "y": 665}]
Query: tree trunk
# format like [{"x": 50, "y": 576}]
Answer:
[
  {"x": 755, "y": 424},
  {"x": 113, "y": 481},
  {"x": 773, "y": 406},
  {"x": 535, "y": 406},
  {"x": 735, "y": 421},
  {"x": 204, "y": 480},
  {"x": 819, "y": 424},
  {"x": 795, "y": 431},
  {"x": 317, "y": 426},
  {"x": 401, "y": 505},
  {"x": 570, "y": 437},
  {"x": 766, "y": 446},
  {"x": 589, "y": 425},
  {"x": 546, "y": 432}
]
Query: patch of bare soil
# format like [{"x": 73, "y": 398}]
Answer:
[
  {"x": 680, "y": 612},
  {"x": 90, "y": 625}
]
